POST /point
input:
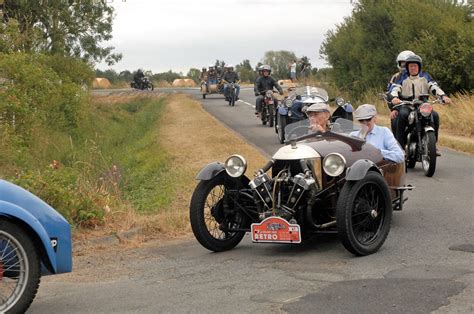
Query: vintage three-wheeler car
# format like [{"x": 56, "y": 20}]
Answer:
[
  {"x": 35, "y": 240},
  {"x": 319, "y": 183}
]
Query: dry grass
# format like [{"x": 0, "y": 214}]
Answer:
[{"x": 193, "y": 138}]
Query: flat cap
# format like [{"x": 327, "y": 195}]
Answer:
[
  {"x": 365, "y": 111},
  {"x": 318, "y": 107}
]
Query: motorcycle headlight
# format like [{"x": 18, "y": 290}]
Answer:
[
  {"x": 235, "y": 166},
  {"x": 334, "y": 164},
  {"x": 426, "y": 109},
  {"x": 411, "y": 117}
]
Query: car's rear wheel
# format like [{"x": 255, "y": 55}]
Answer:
[
  {"x": 19, "y": 268},
  {"x": 211, "y": 217},
  {"x": 364, "y": 214}
]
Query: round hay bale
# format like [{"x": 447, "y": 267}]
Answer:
[
  {"x": 100, "y": 82},
  {"x": 178, "y": 83},
  {"x": 189, "y": 83}
]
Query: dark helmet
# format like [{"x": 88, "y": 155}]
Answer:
[{"x": 414, "y": 59}]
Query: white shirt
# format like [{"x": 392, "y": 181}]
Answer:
[{"x": 293, "y": 67}]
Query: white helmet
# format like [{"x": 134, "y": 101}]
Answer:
[
  {"x": 230, "y": 66},
  {"x": 402, "y": 57}
]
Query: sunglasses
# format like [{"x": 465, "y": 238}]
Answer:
[{"x": 365, "y": 120}]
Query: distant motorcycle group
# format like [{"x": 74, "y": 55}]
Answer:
[{"x": 225, "y": 81}]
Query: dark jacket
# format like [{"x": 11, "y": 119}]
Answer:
[
  {"x": 231, "y": 77},
  {"x": 266, "y": 83}
]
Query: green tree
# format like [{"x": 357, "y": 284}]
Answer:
[
  {"x": 69, "y": 28},
  {"x": 362, "y": 50},
  {"x": 194, "y": 74},
  {"x": 245, "y": 70},
  {"x": 279, "y": 61}
]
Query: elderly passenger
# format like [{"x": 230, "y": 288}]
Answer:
[{"x": 379, "y": 136}]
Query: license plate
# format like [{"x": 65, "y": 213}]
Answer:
[{"x": 275, "y": 230}]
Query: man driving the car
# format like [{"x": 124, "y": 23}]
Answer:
[{"x": 318, "y": 116}]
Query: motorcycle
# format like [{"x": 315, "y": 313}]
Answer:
[
  {"x": 144, "y": 83},
  {"x": 231, "y": 97},
  {"x": 268, "y": 108},
  {"x": 420, "y": 135}
]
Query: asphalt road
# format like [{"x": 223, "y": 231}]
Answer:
[{"x": 426, "y": 264}]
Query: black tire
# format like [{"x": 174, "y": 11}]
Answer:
[
  {"x": 22, "y": 266},
  {"x": 215, "y": 239},
  {"x": 281, "y": 128},
  {"x": 271, "y": 116},
  {"x": 203, "y": 96},
  {"x": 411, "y": 162},
  {"x": 428, "y": 157},
  {"x": 264, "y": 115},
  {"x": 366, "y": 194}
]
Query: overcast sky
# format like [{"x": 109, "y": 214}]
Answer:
[{"x": 160, "y": 35}]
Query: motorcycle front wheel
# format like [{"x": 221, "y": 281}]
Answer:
[
  {"x": 281, "y": 128},
  {"x": 210, "y": 218},
  {"x": 19, "y": 268},
  {"x": 271, "y": 115},
  {"x": 428, "y": 156},
  {"x": 264, "y": 115}
]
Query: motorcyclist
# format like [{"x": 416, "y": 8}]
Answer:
[
  {"x": 203, "y": 76},
  {"x": 264, "y": 83},
  {"x": 211, "y": 75},
  {"x": 400, "y": 60},
  {"x": 410, "y": 86},
  {"x": 259, "y": 71},
  {"x": 230, "y": 76},
  {"x": 138, "y": 78}
]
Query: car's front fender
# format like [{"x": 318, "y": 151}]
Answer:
[
  {"x": 210, "y": 171},
  {"x": 14, "y": 212},
  {"x": 359, "y": 169}
]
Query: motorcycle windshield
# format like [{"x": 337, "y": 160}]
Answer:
[
  {"x": 341, "y": 126},
  {"x": 309, "y": 91}
]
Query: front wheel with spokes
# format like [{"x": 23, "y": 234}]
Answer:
[
  {"x": 214, "y": 221},
  {"x": 364, "y": 214},
  {"x": 19, "y": 268},
  {"x": 428, "y": 155}
]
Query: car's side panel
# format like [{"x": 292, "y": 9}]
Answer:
[
  {"x": 9, "y": 211},
  {"x": 17, "y": 202}
]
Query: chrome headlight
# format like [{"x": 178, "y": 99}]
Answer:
[
  {"x": 334, "y": 164},
  {"x": 235, "y": 166},
  {"x": 339, "y": 101}
]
